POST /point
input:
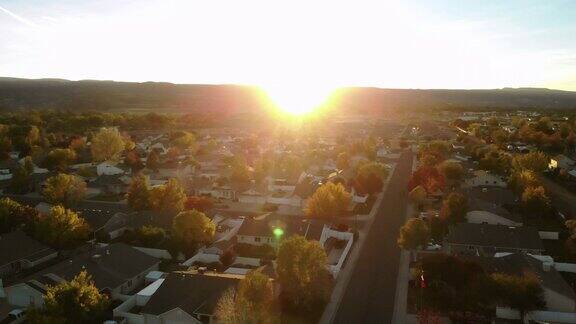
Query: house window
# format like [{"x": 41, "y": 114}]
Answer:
[{"x": 257, "y": 239}]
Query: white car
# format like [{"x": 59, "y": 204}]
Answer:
[
  {"x": 15, "y": 316},
  {"x": 434, "y": 247}
]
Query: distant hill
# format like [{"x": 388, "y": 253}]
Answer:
[{"x": 159, "y": 96}]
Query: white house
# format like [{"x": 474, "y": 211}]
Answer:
[{"x": 108, "y": 168}]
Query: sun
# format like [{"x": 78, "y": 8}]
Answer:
[{"x": 298, "y": 100}]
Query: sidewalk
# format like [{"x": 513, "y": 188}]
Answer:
[
  {"x": 401, "y": 299},
  {"x": 346, "y": 272}
]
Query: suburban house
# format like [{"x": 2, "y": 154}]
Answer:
[
  {"x": 106, "y": 222},
  {"x": 109, "y": 184},
  {"x": 558, "y": 294},
  {"x": 108, "y": 168},
  {"x": 103, "y": 218},
  {"x": 181, "y": 297},
  {"x": 486, "y": 239},
  {"x": 117, "y": 269},
  {"x": 18, "y": 252},
  {"x": 174, "y": 169},
  {"x": 279, "y": 184},
  {"x": 271, "y": 228},
  {"x": 496, "y": 195},
  {"x": 484, "y": 178},
  {"x": 252, "y": 196},
  {"x": 483, "y": 212}
]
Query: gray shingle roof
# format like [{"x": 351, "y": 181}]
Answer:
[
  {"x": 264, "y": 225},
  {"x": 109, "y": 266},
  {"x": 191, "y": 292},
  {"x": 17, "y": 245},
  {"x": 498, "y": 236},
  {"x": 481, "y": 205}
]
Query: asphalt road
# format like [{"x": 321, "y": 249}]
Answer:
[{"x": 369, "y": 297}]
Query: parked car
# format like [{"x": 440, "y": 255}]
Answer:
[
  {"x": 434, "y": 247},
  {"x": 15, "y": 316}
]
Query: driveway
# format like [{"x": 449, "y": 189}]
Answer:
[{"x": 369, "y": 296}]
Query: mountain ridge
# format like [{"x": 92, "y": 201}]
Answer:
[{"x": 19, "y": 93}]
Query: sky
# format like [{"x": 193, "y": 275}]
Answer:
[{"x": 314, "y": 44}]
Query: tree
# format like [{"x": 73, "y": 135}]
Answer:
[
  {"x": 151, "y": 236},
  {"x": 20, "y": 182},
  {"x": 343, "y": 161},
  {"x": 370, "y": 177},
  {"x": 28, "y": 164},
  {"x": 132, "y": 159},
  {"x": 33, "y": 136},
  {"x": 522, "y": 179},
  {"x": 329, "y": 201},
  {"x": 496, "y": 161},
  {"x": 227, "y": 258},
  {"x": 153, "y": 161},
  {"x": 250, "y": 303},
  {"x": 533, "y": 161},
  {"x": 59, "y": 159},
  {"x": 522, "y": 293},
  {"x": 535, "y": 201},
  {"x": 438, "y": 149},
  {"x": 451, "y": 170},
  {"x": 454, "y": 208},
  {"x": 499, "y": 137},
  {"x": 200, "y": 203},
  {"x": 240, "y": 172},
  {"x": 138, "y": 195},
  {"x": 414, "y": 234},
  {"x": 183, "y": 140},
  {"x": 107, "y": 145},
  {"x": 64, "y": 189},
  {"x": 75, "y": 301},
  {"x": 571, "y": 240},
  {"x": 427, "y": 177},
  {"x": 305, "y": 281},
  {"x": 61, "y": 228},
  {"x": 418, "y": 196},
  {"x": 191, "y": 228},
  {"x": 78, "y": 144},
  {"x": 455, "y": 286},
  {"x": 168, "y": 198},
  {"x": 12, "y": 215}
]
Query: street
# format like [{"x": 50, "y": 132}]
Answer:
[{"x": 369, "y": 296}]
